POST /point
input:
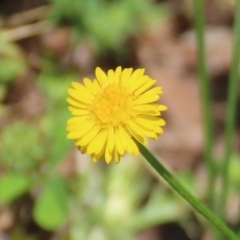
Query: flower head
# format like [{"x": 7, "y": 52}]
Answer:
[{"x": 112, "y": 111}]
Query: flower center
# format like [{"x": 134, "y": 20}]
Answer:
[{"x": 112, "y": 106}]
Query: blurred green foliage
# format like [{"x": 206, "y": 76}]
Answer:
[
  {"x": 16, "y": 152},
  {"x": 12, "y": 62},
  {"x": 30, "y": 153},
  {"x": 54, "y": 86},
  {"x": 106, "y": 24}
]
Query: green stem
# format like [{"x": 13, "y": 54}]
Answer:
[
  {"x": 174, "y": 183},
  {"x": 205, "y": 99},
  {"x": 231, "y": 111}
]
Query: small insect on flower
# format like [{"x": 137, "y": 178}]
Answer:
[{"x": 112, "y": 111}]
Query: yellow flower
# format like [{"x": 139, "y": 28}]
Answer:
[{"x": 112, "y": 110}]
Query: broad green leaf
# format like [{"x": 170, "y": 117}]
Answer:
[
  {"x": 13, "y": 185},
  {"x": 50, "y": 210}
]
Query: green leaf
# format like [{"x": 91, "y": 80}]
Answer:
[
  {"x": 50, "y": 210},
  {"x": 12, "y": 186}
]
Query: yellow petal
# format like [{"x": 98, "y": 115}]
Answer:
[
  {"x": 101, "y": 144},
  {"x": 96, "y": 85},
  {"x": 78, "y": 112},
  {"x": 75, "y": 126},
  {"x": 121, "y": 135},
  {"x": 150, "y": 120},
  {"x": 78, "y": 130},
  {"x": 162, "y": 108},
  {"x": 118, "y": 144},
  {"x": 93, "y": 88},
  {"x": 82, "y": 149},
  {"x": 101, "y": 76},
  {"x": 158, "y": 130},
  {"x": 148, "y": 109},
  {"x": 153, "y": 91},
  {"x": 126, "y": 73},
  {"x": 135, "y": 76},
  {"x": 82, "y": 90},
  {"x": 75, "y": 103},
  {"x": 110, "y": 142},
  {"x": 146, "y": 99},
  {"x": 82, "y": 97},
  {"x": 100, "y": 155},
  {"x": 136, "y": 132},
  {"x": 91, "y": 146},
  {"x": 116, "y": 156},
  {"x": 140, "y": 81},
  {"x": 127, "y": 141},
  {"x": 147, "y": 131},
  {"x": 132, "y": 147},
  {"x": 117, "y": 75},
  {"x": 110, "y": 76},
  {"x": 110, "y": 145},
  {"x": 94, "y": 158},
  {"x": 143, "y": 88},
  {"x": 87, "y": 138}
]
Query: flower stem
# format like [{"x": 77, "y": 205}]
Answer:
[
  {"x": 178, "y": 187},
  {"x": 205, "y": 99},
  {"x": 231, "y": 110}
]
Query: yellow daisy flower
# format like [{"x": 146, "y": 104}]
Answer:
[{"x": 112, "y": 110}]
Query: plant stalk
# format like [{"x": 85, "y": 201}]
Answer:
[
  {"x": 231, "y": 111},
  {"x": 178, "y": 187},
  {"x": 205, "y": 100}
]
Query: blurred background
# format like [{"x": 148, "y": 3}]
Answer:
[{"x": 48, "y": 189}]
